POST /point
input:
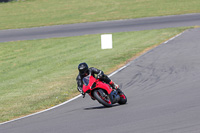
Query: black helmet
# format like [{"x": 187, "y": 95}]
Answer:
[{"x": 83, "y": 68}]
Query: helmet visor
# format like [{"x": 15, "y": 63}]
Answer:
[{"x": 84, "y": 72}]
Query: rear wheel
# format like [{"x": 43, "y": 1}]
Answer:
[
  {"x": 102, "y": 97},
  {"x": 123, "y": 98}
]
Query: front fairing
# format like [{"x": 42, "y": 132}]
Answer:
[
  {"x": 104, "y": 86},
  {"x": 90, "y": 83}
]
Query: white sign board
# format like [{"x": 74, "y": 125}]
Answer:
[{"x": 106, "y": 41}]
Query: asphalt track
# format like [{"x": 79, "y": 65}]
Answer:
[
  {"x": 163, "y": 93},
  {"x": 100, "y": 27}
]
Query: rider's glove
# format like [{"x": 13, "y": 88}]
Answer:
[
  {"x": 81, "y": 91},
  {"x": 100, "y": 74},
  {"x": 83, "y": 94}
]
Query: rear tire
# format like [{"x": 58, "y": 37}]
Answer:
[
  {"x": 106, "y": 101},
  {"x": 123, "y": 98}
]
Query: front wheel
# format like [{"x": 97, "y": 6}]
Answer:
[{"x": 102, "y": 97}]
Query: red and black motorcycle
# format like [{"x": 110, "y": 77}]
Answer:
[{"x": 102, "y": 92}]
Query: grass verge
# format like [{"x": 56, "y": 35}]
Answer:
[
  {"x": 34, "y": 13},
  {"x": 38, "y": 74}
]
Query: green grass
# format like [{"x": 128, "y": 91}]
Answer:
[
  {"x": 33, "y": 13},
  {"x": 38, "y": 74}
]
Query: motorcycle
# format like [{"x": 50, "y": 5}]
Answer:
[{"x": 102, "y": 92}]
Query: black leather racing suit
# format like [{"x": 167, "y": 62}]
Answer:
[{"x": 91, "y": 71}]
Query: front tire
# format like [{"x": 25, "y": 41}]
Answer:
[{"x": 102, "y": 98}]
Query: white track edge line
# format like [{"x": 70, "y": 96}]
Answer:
[
  {"x": 61, "y": 103},
  {"x": 42, "y": 110},
  {"x": 174, "y": 37},
  {"x": 80, "y": 94}
]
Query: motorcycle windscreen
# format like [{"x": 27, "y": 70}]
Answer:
[{"x": 86, "y": 80}]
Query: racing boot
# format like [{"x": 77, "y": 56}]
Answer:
[{"x": 115, "y": 86}]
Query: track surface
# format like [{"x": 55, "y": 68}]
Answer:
[
  {"x": 163, "y": 93},
  {"x": 100, "y": 27}
]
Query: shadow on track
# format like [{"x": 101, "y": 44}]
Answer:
[{"x": 100, "y": 107}]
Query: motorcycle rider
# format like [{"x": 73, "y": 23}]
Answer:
[{"x": 84, "y": 70}]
